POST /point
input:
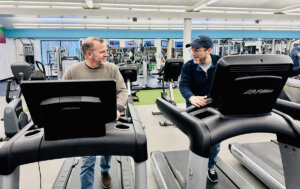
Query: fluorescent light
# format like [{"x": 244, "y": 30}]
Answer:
[
  {"x": 204, "y": 5},
  {"x": 113, "y": 8},
  {"x": 171, "y": 28},
  {"x": 292, "y": 13},
  {"x": 65, "y": 7},
  {"x": 212, "y": 11},
  {"x": 73, "y": 27},
  {"x": 159, "y": 28},
  {"x": 138, "y": 9},
  {"x": 7, "y": 6},
  {"x": 236, "y": 12},
  {"x": 33, "y": 7},
  {"x": 96, "y": 27},
  {"x": 172, "y": 10},
  {"x": 138, "y": 28},
  {"x": 261, "y": 12},
  {"x": 25, "y": 27}
]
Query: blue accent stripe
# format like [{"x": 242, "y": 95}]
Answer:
[{"x": 139, "y": 34}]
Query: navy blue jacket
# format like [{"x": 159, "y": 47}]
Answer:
[{"x": 194, "y": 81}]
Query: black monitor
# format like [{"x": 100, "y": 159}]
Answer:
[
  {"x": 129, "y": 73},
  {"x": 249, "y": 84},
  {"x": 21, "y": 67},
  {"x": 149, "y": 43},
  {"x": 178, "y": 44},
  {"x": 172, "y": 69},
  {"x": 71, "y": 108}
]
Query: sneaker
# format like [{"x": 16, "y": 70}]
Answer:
[
  {"x": 106, "y": 180},
  {"x": 212, "y": 175}
]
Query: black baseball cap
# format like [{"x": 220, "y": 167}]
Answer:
[{"x": 201, "y": 41}]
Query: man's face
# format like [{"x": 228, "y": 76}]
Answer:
[
  {"x": 299, "y": 46},
  {"x": 200, "y": 54},
  {"x": 98, "y": 53}
]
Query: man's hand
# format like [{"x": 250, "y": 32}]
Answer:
[
  {"x": 118, "y": 115},
  {"x": 198, "y": 100}
]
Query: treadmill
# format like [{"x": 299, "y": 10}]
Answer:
[
  {"x": 252, "y": 80},
  {"x": 49, "y": 136},
  {"x": 263, "y": 158},
  {"x": 121, "y": 170}
]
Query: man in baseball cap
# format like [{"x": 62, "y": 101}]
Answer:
[
  {"x": 201, "y": 41},
  {"x": 196, "y": 79}
]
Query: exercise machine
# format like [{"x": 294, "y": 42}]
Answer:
[
  {"x": 207, "y": 126},
  {"x": 48, "y": 102},
  {"x": 129, "y": 74},
  {"x": 263, "y": 158},
  {"x": 169, "y": 73},
  {"x": 14, "y": 116}
]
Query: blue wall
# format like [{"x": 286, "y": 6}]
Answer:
[{"x": 73, "y": 34}]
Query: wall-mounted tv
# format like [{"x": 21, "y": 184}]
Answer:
[
  {"x": 129, "y": 43},
  {"x": 149, "y": 43},
  {"x": 164, "y": 43},
  {"x": 178, "y": 44},
  {"x": 114, "y": 43}
]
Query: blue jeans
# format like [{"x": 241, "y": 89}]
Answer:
[
  {"x": 213, "y": 152},
  {"x": 87, "y": 170}
]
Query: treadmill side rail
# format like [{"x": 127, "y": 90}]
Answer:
[
  {"x": 197, "y": 171},
  {"x": 257, "y": 166},
  {"x": 140, "y": 175},
  {"x": 237, "y": 179},
  {"x": 290, "y": 156},
  {"x": 162, "y": 172},
  {"x": 10, "y": 181}
]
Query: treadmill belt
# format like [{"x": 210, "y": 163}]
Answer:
[
  {"x": 116, "y": 161},
  {"x": 178, "y": 161}
]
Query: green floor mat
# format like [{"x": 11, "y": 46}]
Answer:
[{"x": 149, "y": 96}]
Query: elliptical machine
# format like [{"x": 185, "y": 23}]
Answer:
[
  {"x": 170, "y": 74},
  {"x": 14, "y": 116}
]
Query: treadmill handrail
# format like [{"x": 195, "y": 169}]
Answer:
[
  {"x": 288, "y": 107},
  {"x": 215, "y": 128},
  {"x": 25, "y": 148}
]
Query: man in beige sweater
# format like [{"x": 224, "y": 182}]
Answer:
[{"x": 96, "y": 67}]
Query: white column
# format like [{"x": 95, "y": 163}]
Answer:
[
  {"x": 169, "y": 48},
  {"x": 187, "y": 35}
]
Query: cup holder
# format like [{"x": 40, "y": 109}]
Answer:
[
  {"x": 122, "y": 127},
  {"x": 32, "y": 133}
]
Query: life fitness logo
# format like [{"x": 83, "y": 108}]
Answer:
[{"x": 258, "y": 91}]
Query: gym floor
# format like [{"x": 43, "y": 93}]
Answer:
[{"x": 158, "y": 138}]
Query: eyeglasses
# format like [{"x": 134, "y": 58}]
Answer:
[{"x": 196, "y": 50}]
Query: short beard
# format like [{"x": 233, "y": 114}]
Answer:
[{"x": 202, "y": 60}]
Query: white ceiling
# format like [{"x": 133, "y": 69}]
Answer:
[{"x": 152, "y": 14}]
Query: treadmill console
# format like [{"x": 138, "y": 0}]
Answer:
[
  {"x": 249, "y": 84},
  {"x": 71, "y": 108}
]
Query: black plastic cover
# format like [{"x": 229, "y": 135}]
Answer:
[
  {"x": 172, "y": 69},
  {"x": 249, "y": 84}
]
